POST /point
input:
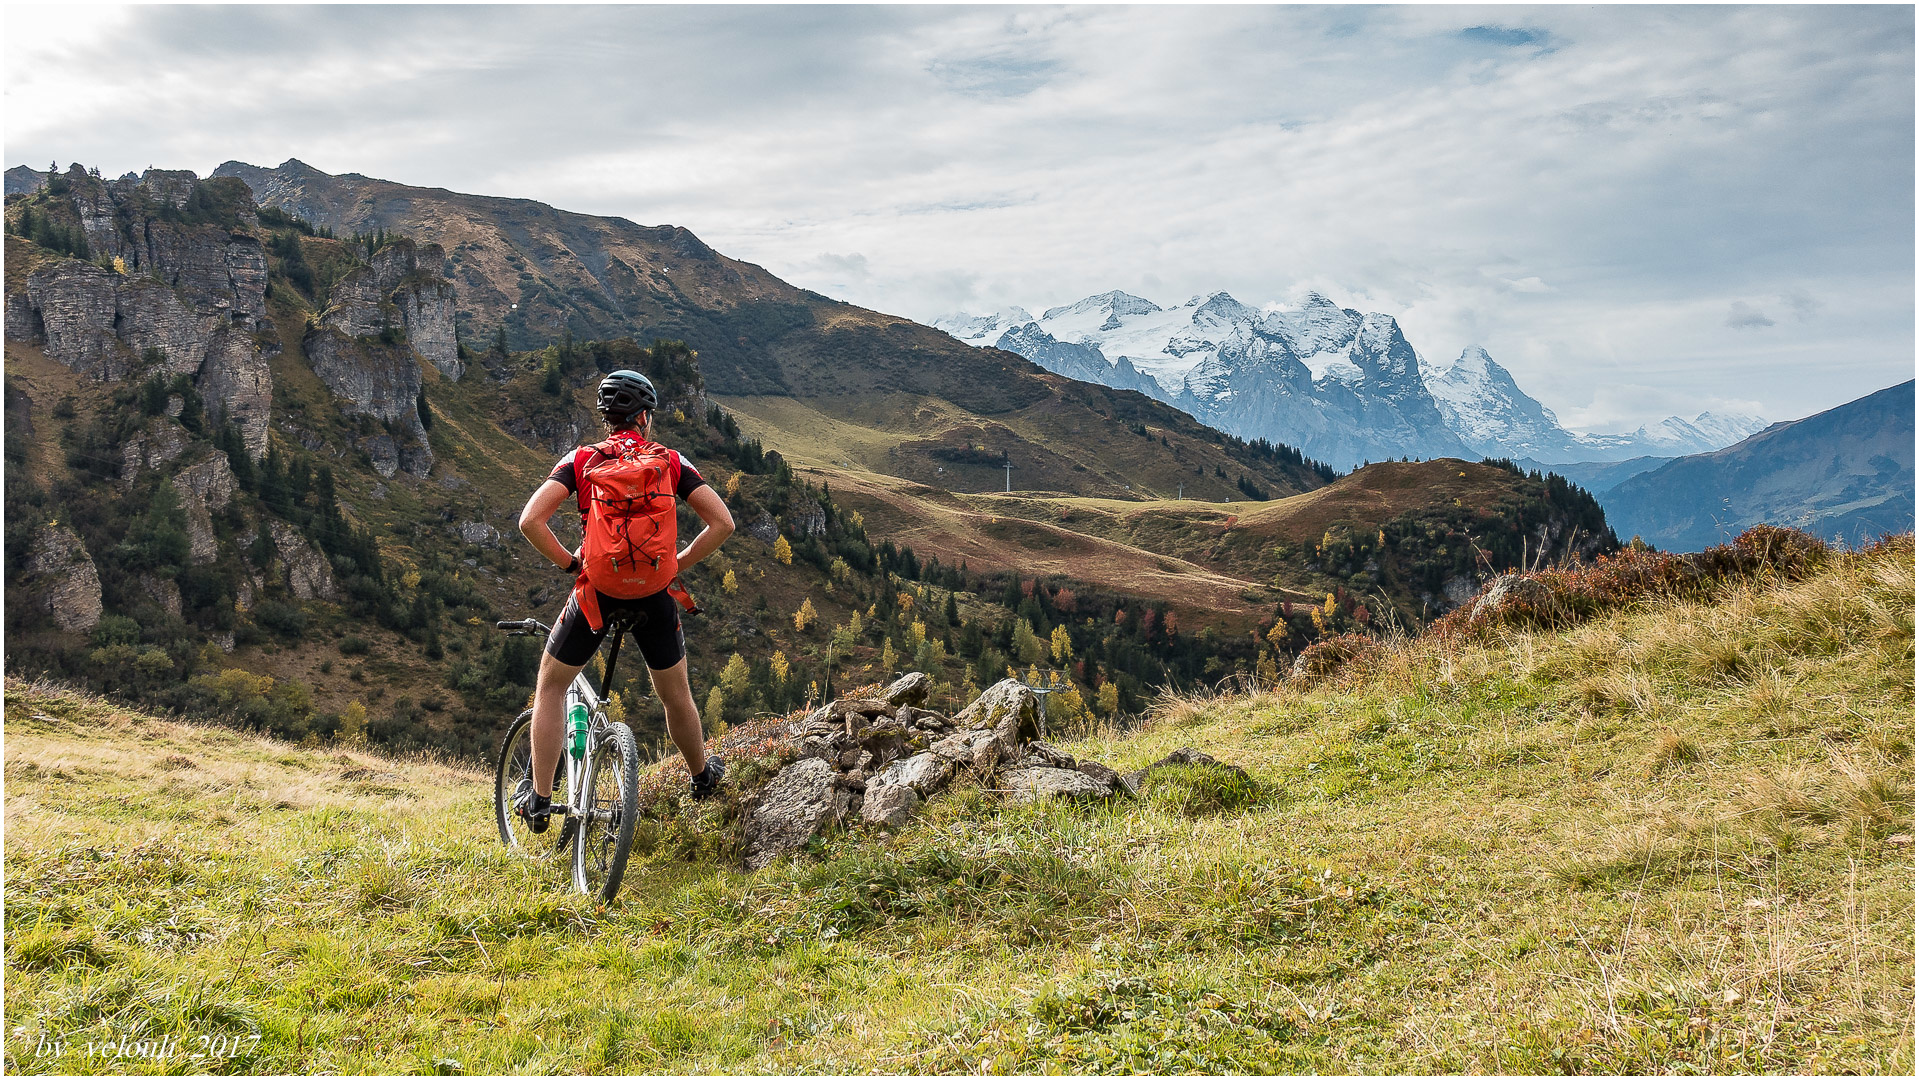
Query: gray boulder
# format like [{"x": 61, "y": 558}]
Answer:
[
  {"x": 977, "y": 750},
  {"x": 1511, "y": 589},
  {"x": 888, "y": 804},
  {"x": 308, "y": 575},
  {"x": 926, "y": 773},
  {"x": 1009, "y": 709},
  {"x": 791, "y": 809},
  {"x": 911, "y": 690},
  {"x": 1185, "y": 755},
  {"x": 1120, "y": 783}
]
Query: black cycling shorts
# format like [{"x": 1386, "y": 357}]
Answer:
[{"x": 656, "y": 629}]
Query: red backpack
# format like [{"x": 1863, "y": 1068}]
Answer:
[{"x": 626, "y": 494}]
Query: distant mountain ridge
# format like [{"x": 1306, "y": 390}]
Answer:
[
  {"x": 1846, "y": 474},
  {"x": 537, "y": 273},
  {"x": 1343, "y": 386}
]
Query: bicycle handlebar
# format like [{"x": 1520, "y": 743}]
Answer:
[{"x": 524, "y": 626}]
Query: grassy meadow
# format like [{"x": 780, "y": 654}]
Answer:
[{"x": 1674, "y": 839}]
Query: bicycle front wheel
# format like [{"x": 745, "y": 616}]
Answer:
[
  {"x": 513, "y": 775},
  {"x": 608, "y": 806}
]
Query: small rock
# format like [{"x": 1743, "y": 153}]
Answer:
[
  {"x": 926, "y": 773},
  {"x": 978, "y": 749},
  {"x": 1037, "y": 753},
  {"x": 1032, "y": 785},
  {"x": 1185, "y": 755},
  {"x": 1119, "y": 783},
  {"x": 478, "y": 532},
  {"x": 888, "y": 804},
  {"x": 1733, "y": 997}
]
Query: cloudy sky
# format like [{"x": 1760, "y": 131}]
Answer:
[{"x": 1639, "y": 211}]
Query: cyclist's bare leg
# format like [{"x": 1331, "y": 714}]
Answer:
[
  {"x": 549, "y": 717},
  {"x": 682, "y": 716}
]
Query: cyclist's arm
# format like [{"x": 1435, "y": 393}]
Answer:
[
  {"x": 719, "y": 524},
  {"x": 533, "y": 522}
]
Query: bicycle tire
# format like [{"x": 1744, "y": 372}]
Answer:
[
  {"x": 514, "y": 765},
  {"x": 604, "y": 837}
]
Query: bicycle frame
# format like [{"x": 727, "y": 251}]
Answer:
[{"x": 581, "y": 691}]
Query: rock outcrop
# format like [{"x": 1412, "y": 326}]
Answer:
[
  {"x": 876, "y": 760},
  {"x": 64, "y": 579},
  {"x": 203, "y": 488},
  {"x": 380, "y": 380},
  {"x": 364, "y": 346},
  {"x": 401, "y": 288},
  {"x": 308, "y": 575}
]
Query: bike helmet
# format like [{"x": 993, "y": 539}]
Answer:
[{"x": 624, "y": 393}]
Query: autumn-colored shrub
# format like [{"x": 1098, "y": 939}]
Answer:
[
  {"x": 1328, "y": 655},
  {"x": 1564, "y": 596}
]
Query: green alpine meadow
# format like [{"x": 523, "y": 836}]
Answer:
[{"x": 1657, "y": 831}]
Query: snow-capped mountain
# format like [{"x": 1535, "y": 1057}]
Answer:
[
  {"x": 1342, "y": 386},
  {"x": 983, "y": 329},
  {"x": 1487, "y": 409}
]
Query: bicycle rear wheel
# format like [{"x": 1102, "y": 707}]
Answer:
[
  {"x": 608, "y": 807},
  {"x": 514, "y": 774}
]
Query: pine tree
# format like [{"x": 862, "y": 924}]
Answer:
[
  {"x": 1062, "y": 646},
  {"x": 1026, "y": 645},
  {"x": 1108, "y": 699},
  {"x": 783, "y": 552},
  {"x": 715, "y": 707},
  {"x": 805, "y": 615},
  {"x": 888, "y": 658},
  {"x": 730, "y": 583},
  {"x": 734, "y": 678}
]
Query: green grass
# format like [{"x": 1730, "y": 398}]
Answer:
[{"x": 1675, "y": 839}]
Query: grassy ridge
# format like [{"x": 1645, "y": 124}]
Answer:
[{"x": 1677, "y": 838}]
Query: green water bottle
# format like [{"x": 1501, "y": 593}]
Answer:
[{"x": 576, "y": 729}]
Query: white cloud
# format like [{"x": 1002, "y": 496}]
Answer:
[{"x": 1586, "y": 192}]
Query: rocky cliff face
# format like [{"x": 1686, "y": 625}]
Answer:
[
  {"x": 401, "y": 288},
  {"x": 64, "y": 580},
  {"x": 377, "y": 317},
  {"x": 180, "y": 281}
]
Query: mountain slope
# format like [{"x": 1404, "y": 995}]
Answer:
[
  {"x": 1846, "y": 472},
  {"x": 598, "y": 277},
  {"x": 1606, "y": 850}
]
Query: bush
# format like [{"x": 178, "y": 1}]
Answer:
[
  {"x": 353, "y": 645},
  {"x": 1328, "y": 655},
  {"x": 1563, "y": 597},
  {"x": 1200, "y": 790},
  {"x": 285, "y": 618}
]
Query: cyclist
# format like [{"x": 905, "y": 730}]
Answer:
[{"x": 626, "y": 403}]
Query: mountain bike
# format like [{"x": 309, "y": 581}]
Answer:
[{"x": 595, "y": 783}]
